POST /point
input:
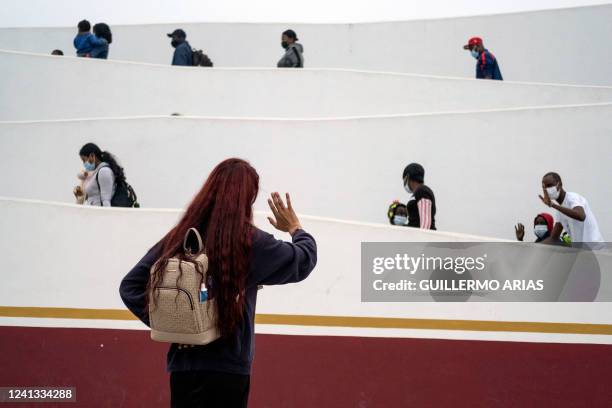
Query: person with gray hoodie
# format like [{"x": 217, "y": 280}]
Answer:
[{"x": 293, "y": 57}]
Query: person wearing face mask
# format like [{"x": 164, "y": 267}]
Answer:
[
  {"x": 486, "y": 65},
  {"x": 183, "y": 54},
  {"x": 398, "y": 214},
  {"x": 294, "y": 51},
  {"x": 422, "y": 205},
  {"x": 101, "y": 175},
  {"x": 573, "y": 212},
  {"x": 542, "y": 227}
]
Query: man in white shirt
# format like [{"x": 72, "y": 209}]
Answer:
[{"x": 572, "y": 211}]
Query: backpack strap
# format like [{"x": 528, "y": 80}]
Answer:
[
  {"x": 98, "y": 183},
  {"x": 297, "y": 55},
  {"x": 199, "y": 238}
]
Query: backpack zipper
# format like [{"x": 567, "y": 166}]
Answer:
[{"x": 180, "y": 290}]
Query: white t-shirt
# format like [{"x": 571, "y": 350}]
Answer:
[{"x": 579, "y": 231}]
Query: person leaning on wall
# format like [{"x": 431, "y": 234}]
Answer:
[
  {"x": 293, "y": 57},
  {"x": 240, "y": 257}
]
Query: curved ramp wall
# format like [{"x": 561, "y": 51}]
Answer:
[
  {"x": 63, "y": 275},
  {"x": 62, "y": 323},
  {"x": 484, "y": 167},
  {"x": 531, "y": 46},
  {"x": 85, "y": 88}
]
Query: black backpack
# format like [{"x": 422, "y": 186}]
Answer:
[
  {"x": 200, "y": 59},
  {"x": 124, "y": 196}
]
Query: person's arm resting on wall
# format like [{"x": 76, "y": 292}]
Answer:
[{"x": 555, "y": 234}]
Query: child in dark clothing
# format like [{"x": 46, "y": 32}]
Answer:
[{"x": 85, "y": 41}]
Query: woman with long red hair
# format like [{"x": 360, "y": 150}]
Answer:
[{"x": 240, "y": 257}]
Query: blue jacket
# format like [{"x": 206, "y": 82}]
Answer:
[
  {"x": 86, "y": 42},
  {"x": 487, "y": 67},
  {"x": 273, "y": 262},
  {"x": 100, "y": 52},
  {"x": 183, "y": 55}
]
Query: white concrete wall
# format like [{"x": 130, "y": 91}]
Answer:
[
  {"x": 85, "y": 88},
  {"x": 71, "y": 256},
  {"x": 564, "y": 46},
  {"x": 485, "y": 168}
]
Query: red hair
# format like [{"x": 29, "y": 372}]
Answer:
[{"x": 222, "y": 212}]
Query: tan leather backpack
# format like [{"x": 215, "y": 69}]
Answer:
[{"x": 180, "y": 310}]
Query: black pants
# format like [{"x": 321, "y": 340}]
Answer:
[{"x": 208, "y": 389}]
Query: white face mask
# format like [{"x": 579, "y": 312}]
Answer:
[
  {"x": 407, "y": 188},
  {"x": 475, "y": 54},
  {"x": 400, "y": 220},
  {"x": 540, "y": 231},
  {"x": 552, "y": 192}
]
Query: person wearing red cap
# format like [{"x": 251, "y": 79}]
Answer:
[
  {"x": 486, "y": 67},
  {"x": 542, "y": 227}
]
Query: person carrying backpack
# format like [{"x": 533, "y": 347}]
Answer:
[
  {"x": 294, "y": 51},
  {"x": 105, "y": 184},
  {"x": 212, "y": 334},
  {"x": 183, "y": 54}
]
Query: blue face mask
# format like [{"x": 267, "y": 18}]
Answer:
[
  {"x": 540, "y": 230},
  {"x": 475, "y": 53},
  {"x": 400, "y": 220},
  {"x": 89, "y": 166}
]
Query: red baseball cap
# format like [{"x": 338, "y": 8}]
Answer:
[{"x": 472, "y": 42}]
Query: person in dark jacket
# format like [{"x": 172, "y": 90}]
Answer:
[
  {"x": 422, "y": 204},
  {"x": 486, "y": 65},
  {"x": 102, "y": 30},
  {"x": 183, "y": 54},
  {"x": 293, "y": 57},
  {"x": 85, "y": 41},
  {"x": 543, "y": 225},
  {"x": 240, "y": 257}
]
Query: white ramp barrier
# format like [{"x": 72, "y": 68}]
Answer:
[
  {"x": 86, "y": 88},
  {"x": 75, "y": 257},
  {"x": 559, "y": 46},
  {"x": 484, "y": 167}
]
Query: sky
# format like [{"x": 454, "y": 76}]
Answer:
[{"x": 33, "y": 13}]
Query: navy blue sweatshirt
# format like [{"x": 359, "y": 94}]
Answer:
[
  {"x": 183, "y": 55},
  {"x": 273, "y": 262},
  {"x": 487, "y": 67}
]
